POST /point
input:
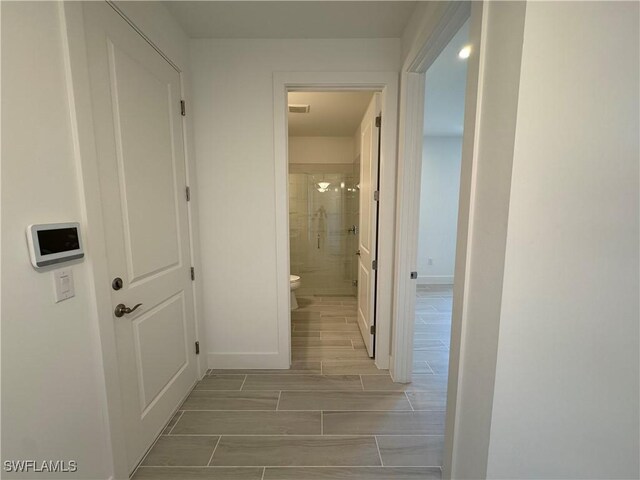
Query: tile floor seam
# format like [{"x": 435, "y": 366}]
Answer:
[
  {"x": 288, "y": 435},
  {"x": 378, "y": 448},
  {"x": 214, "y": 451},
  {"x": 385, "y": 467},
  {"x": 147, "y": 454},
  {"x": 244, "y": 380},
  {"x": 290, "y": 466},
  {"x": 174, "y": 425},
  {"x": 278, "y": 404},
  {"x": 409, "y": 400}
]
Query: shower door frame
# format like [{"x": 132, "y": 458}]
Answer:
[{"x": 387, "y": 84}]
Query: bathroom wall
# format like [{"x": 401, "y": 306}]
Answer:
[
  {"x": 440, "y": 187},
  {"x": 235, "y": 155},
  {"x": 321, "y": 150}
]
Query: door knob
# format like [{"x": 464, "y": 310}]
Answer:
[{"x": 121, "y": 309}]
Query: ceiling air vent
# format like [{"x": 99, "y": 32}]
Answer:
[{"x": 299, "y": 108}]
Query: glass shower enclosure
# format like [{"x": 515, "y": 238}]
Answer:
[{"x": 323, "y": 229}]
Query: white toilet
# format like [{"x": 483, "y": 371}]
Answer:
[{"x": 294, "y": 282}]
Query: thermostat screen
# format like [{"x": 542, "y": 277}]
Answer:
[{"x": 58, "y": 240}]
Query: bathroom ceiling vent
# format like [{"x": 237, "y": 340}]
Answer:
[{"x": 299, "y": 108}]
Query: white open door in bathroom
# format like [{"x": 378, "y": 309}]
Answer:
[{"x": 369, "y": 155}]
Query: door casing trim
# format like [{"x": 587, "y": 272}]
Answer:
[
  {"x": 438, "y": 28},
  {"x": 387, "y": 84}
]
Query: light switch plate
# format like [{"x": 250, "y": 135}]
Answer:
[{"x": 63, "y": 284}]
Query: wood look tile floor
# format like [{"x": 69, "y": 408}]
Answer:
[
  {"x": 432, "y": 330},
  {"x": 333, "y": 415}
]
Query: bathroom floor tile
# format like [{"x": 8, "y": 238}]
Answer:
[
  {"x": 429, "y": 400},
  {"x": 420, "y": 382},
  {"x": 198, "y": 473},
  {"x": 297, "y": 367},
  {"x": 225, "y": 400},
  {"x": 382, "y": 423},
  {"x": 341, "y": 401},
  {"x": 411, "y": 451},
  {"x": 302, "y": 382},
  {"x": 352, "y": 473},
  {"x": 320, "y": 342},
  {"x": 247, "y": 423},
  {"x": 181, "y": 451},
  {"x": 220, "y": 382},
  {"x": 296, "y": 451},
  {"x": 358, "y": 367}
]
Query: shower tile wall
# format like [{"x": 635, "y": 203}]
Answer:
[{"x": 322, "y": 249}]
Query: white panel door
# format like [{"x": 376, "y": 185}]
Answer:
[
  {"x": 369, "y": 153},
  {"x": 138, "y": 126}
]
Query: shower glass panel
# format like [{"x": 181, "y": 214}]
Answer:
[{"x": 323, "y": 209}]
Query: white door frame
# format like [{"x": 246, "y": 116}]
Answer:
[
  {"x": 446, "y": 21},
  {"x": 438, "y": 29},
  {"x": 83, "y": 139},
  {"x": 387, "y": 83}
]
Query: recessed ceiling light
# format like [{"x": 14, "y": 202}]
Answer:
[{"x": 465, "y": 52}]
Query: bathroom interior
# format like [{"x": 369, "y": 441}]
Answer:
[{"x": 324, "y": 200}]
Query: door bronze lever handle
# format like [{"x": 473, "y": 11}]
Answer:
[{"x": 121, "y": 309}]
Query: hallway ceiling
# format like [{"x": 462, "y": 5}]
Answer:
[
  {"x": 446, "y": 83},
  {"x": 332, "y": 114},
  {"x": 293, "y": 19}
]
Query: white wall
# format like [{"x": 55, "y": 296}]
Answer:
[
  {"x": 233, "y": 88},
  {"x": 440, "y": 187},
  {"x": 566, "y": 390},
  {"x": 321, "y": 150},
  {"x": 52, "y": 381}
]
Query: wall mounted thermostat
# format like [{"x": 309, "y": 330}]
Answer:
[{"x": 53, "y": 243}]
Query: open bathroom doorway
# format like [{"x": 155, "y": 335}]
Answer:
[{"x": 333, "y": 172}]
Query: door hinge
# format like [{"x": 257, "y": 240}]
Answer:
[
  {"x": 379, "y": 121},
  {"x": 183, "y": 108},
  {"x": 372, "y": 329},
  {"x": 187, "y": 191},
  {"x": 414, "y": 275},
  {"x": 376, "y": 195},
  {"x": 193, "y": 273},
  {"x": 197, "y": 348},
  {"x": 374, "y": 265}
]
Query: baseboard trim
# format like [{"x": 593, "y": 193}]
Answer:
[
  {"x": 435, "y": 280},
  {"x": 231, "y": 361}
]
